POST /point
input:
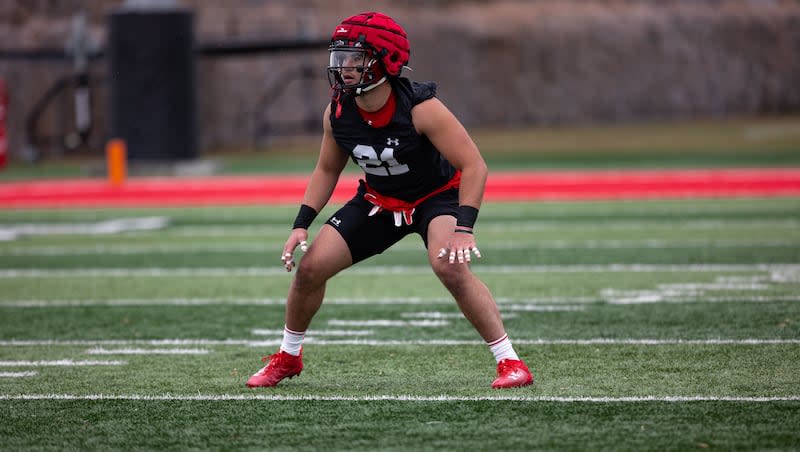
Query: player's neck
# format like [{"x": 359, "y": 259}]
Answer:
[{"x": 374, "y": 99}]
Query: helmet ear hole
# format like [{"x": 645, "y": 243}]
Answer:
[{"x": 395, "y": 56}]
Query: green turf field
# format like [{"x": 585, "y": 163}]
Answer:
[{"x": 659, "y": 325}]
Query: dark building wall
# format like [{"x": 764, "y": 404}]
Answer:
[{"x": 498, "y": 63}]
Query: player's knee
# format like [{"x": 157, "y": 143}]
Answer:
[
  {"x": 453, "y": 276},
  {"x": 310, "y": 274}
]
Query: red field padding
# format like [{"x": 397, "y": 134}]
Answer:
[{"x": 501, "y": 186}]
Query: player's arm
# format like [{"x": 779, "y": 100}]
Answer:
[
  {"x": 329, "y": 167},
  {"x": 433, "y": 119},
  {"x": 320, "y": 187}
]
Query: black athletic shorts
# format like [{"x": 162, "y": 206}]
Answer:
[{"x": 367, "y": 236}]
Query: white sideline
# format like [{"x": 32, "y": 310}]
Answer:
[
  {"x": 395, "y": 398},
  {"x": 390, "y": 343}
]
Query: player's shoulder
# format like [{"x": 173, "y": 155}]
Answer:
[{"x": 415, "y": 92}]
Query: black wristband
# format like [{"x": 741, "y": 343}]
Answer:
[
  {"x": 305, "y": 217},
  {"x": 463, "y": 230},
  {"x": 467, "y": 215}
]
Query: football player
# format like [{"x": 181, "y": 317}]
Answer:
[{"x": 423, "y": 175}]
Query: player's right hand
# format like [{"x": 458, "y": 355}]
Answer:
[{"x": 297, "y": 237}]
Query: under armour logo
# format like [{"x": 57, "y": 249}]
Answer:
[
  {"x": 393, "y": 141},
  {"x": 341, "y": 30},
  {"x": 336, "y": 221}
]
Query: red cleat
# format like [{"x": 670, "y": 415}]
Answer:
[
  {"x": 512, "y": 373},
  {"x": 281, "y": 365}
]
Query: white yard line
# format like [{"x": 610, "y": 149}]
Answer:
[
  {"x": 394, "y": 398},
  {"x": 702, "y": 292},
  {"x": 432, "y": 315},
  {"x": 486, "y": 225},
  {"x": 260, "y": 230},
  {"x": 394, "y": 270},
  {"x": 138, "y": 302},
  {"x": 599, "y": 341},
  {"x": 313, "y": 333},
  {"x": 694, "y": 287},
  {"x": 117, "y": 249},
  {"x": 226, "y": 231},
  {"x": 148, "y": 351},
  {"x": 123, "y": 342},
  {"x": 547, "y": 303},
  {"x": 26, "y": 374},
  {"x": 387, "y": 343},
  {"x": 437, "y": 315},
  {"x": 650, "y": 297},
  {"x": 113, "y": 226},
  {"x": 637, "y": 224},
  {"x": 540, "y": 308},
  {"x": 390, "y": 323},
  {"x": 60, "y": 363},
  {"x": 139, "y": 249},
  {"x": 227, "y": 302},
  {"x": 551, "y": 304}
]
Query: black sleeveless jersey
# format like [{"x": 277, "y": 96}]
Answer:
[{"x": 397, "y": 161}]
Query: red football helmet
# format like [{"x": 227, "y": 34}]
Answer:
[{"x": 364, "y": 50}]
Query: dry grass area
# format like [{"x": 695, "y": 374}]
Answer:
[
  {"x": 722, "y": 135},
  {"x": 768, "y": 134}
]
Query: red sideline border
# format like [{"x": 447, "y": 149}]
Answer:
[{"x": 501, "y": 186}]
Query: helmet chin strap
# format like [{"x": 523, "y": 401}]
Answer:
[
  {"x": 356, "y": 92},
  {"x": 365, "y": 89}
]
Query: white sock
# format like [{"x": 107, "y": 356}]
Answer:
[
  {"x": 292, "y": 341},
  {"x": 502, "y": 349}
]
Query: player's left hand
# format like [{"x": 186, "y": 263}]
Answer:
[
  {"x": 298, "y": 237},
  {"x": 460, "y": 248}
]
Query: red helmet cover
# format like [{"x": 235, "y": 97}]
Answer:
[{"x": 378, "y": 33}]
